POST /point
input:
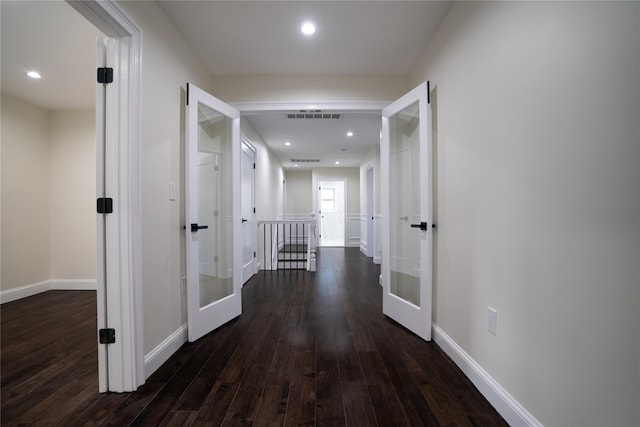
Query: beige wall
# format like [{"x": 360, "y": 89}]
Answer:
[
  {"x": 269, "y": 177},
  {"x": 537, "y": 109},
  {"x": 73, "y": 195},
  {"x": 25, "y": 193},
  {"x": 48, "y": 195},
  {"x": 168, "y": 63},
  {"x": 299, "y": 192},
  {"x": 371, "y": 158},
  {"x": 292, "y": 88}
]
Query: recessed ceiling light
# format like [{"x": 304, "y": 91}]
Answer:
[
  {"x": 308, "y": 28},
  {"x": 337, "y": 163},
  {"x": 295, "y": 166},
  {"x": 349, "y": 133},
  {"x": 287, "y": 143},
  {"x": 34, "y": 74}
]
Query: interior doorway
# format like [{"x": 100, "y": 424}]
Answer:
[{"x": 331, "y": 212}]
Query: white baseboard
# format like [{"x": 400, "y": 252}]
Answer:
[
  {"x": 74, "y": 285},
  {"x": 512, "y": 411},
  {"x": 156, "y": 357},
  {"x": 25, "y": 291},
  {"x": 363, "y": 248}
]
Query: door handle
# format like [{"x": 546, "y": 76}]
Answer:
[
  {"x": 422, "y": 226},
  {"x": 244, "y": 220},
  {"x": 196, "y": 227}
]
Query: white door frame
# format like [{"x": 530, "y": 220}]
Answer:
[
  {"x": 371, "y": 191},
  {"x": 119, "y": 267}
]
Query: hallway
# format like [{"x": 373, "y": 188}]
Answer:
[{"x": 309, "y": 349}]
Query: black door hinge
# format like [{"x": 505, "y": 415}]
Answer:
[
  {"x": 105, "y": 205},
  {"x": 107, "y": 336},
  {"x": 254, "y": 210},
  {"x": 428, "y": 92},
  {"x": 105, "y": 75},
  {"x": 254, "y": 165},
  {"x": 254, "y": 254}
]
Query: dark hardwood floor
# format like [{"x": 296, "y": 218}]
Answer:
[{"x": 309, "y": 349}]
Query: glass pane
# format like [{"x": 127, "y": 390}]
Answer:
[
  {"x": 215, "y": 244},
  {"x": 404, "y": 177},
  {"x": 328, "y": 200}
]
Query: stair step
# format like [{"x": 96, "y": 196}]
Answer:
[{"x": 292, "y": 265}]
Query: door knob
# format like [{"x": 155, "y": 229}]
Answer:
[
  {"x": 196, "y": 227},
  {"x": 421, "y": 226}
]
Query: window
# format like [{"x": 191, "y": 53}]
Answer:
[{"x": 328, "y": 200}]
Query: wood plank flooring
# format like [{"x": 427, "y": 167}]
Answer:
[{"x": 309, "y": 349}]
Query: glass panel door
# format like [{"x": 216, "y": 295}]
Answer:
[
  {"x": 212, "y": 175},
  {"x": 406, "y": 202}
]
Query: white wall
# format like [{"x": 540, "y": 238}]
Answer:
[
  {"x": 48, "y": 199},
  {"x": 537, "y": 109},
  {"x": 168, "y": 63},
  {"x": 299, "y": 192}
]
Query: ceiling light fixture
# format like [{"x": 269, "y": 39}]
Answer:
[
  {"x": 308, "y": 28},
  {"x": 337, "y": 163},
  {"x": 349, "y": 133},
  {"x": 287, "y": 143},
  {"x": 295, "y": 166},
  {"x": 34, "y": 74}
]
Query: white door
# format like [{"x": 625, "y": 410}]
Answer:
[
  {"x": 213, "y": 223},
  {"x": 332, "y": 206},
  {"x": 249, "y": 229},
  {"x": 406, "y": 161}
]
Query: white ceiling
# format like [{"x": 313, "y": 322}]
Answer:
[
  {"x": 52, "y": 38},
  {"x": 263, "y": 37},
  {"x": 234, "y": 37}
]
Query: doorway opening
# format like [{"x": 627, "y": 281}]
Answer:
[{"x": 331, "y": 212}]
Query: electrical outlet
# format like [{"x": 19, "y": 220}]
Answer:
[
  {"x": 492, "y": 320},
  {"x": 183, "y": 285}
]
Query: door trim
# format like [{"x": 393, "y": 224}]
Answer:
[
  {"x": 123, "y": 261},
  {"x": 246, "y": 141}
]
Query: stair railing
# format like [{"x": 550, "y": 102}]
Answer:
[{"x": 287, "y": 244}]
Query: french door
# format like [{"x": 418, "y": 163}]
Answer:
[
  {"x": 212, "y": 212},
  {"x": 406, "y": 159}
]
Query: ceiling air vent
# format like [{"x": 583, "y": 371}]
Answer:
[
  {"x": 313, "y": 114},
  {"x": 305, "y": 160}
]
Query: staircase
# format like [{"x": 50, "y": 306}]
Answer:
[
  {"x": 293, "y": 257},
  {"x": 287, "y": 244}
]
